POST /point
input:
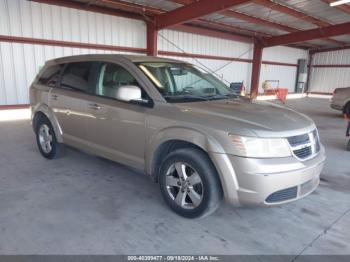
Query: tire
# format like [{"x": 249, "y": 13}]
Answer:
[
  {"x": 348, "y": 146},
  {"x": 347, "y": 106},
  {"x": 200, "y": 193},
  {"x": 46, "y": 139}
]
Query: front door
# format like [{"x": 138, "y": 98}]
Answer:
[{"x": 117, "y": 128}]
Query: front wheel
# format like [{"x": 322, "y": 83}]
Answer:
[{"x": 189, "y": 183}]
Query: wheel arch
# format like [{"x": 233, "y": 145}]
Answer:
[
  {"x": 171, "y": 139},
  {"x": 43, "y": 110}
]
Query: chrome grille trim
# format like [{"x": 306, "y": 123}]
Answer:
[{"x": 305, "y": 146}]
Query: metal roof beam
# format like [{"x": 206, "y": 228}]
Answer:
[
  {"x": 270, "y": 24},
  {"x": 307, "y": 35},
  {"x": 212, "y": 33},
  {"x": 260, "y": 21},
  {"x": 297, "y": 14},
  {"x": 146, "y": 13},
  {"x": 91, "y": 8},
  {"x": 290, "y": 11},
  {"x": 130, "y": 7},
  {"x": 314, "y": 51},
  {"x": 230, "y": 28},
  {"x": 193, "y": 11}
]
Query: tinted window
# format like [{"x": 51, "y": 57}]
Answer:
[
  {"x": 50, "y": 75},
  {"x": 76, "y": 76},
  {"x": 112, "y": 77}
]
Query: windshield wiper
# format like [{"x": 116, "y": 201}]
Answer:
[
  {"x": 223, "y": 96},
  {"x": 185, "y": 97}
]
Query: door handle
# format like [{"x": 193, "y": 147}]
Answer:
[
  {"x": 54, "y": 97},
  {"x": 95, "y": 106}
]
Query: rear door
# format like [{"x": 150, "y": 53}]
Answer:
[{"x": 69, "y": 102}]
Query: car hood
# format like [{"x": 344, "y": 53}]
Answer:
[{"x": 242, "y": 116}]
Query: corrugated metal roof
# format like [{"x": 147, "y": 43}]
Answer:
[
  {"x": 273, "y": 16},
  {"x": 243, "y": 24},
  {"x": 319, "y": 9},
  {"x": 161, "y": 4}
]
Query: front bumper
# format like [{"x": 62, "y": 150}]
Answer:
[{"x": 265, "y": 182}]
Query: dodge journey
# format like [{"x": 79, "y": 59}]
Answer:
[{"x": 183, "y": 127}]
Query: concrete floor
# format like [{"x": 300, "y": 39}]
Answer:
[{"x": 82, "y": 204}]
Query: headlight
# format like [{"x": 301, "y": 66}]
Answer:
[{"x": 260, "y": 147}]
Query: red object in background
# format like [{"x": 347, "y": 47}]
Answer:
[{"x": 281, "y": 94}]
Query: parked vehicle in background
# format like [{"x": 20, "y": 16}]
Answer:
[
  {"x": 185, "y": 129},
  {"x": 238, "y": 88},
  {"x": 340, "y": 98}
]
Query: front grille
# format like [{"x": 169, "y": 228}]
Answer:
[
  {"x": 283, "y": 195},
  {"x": 305, "y": 146},
  {"x": 303, "y": 153},
  {"x": 298, "y": 140}
]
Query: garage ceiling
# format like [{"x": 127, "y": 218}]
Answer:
[{"x": 254, "y": 19}]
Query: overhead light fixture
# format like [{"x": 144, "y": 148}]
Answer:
[{"x": 340, "y": 2}]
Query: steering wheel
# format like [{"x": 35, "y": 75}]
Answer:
[{"x": 188, "y": 90}]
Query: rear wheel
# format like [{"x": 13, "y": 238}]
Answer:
[
  {"x": 189, "y": 183},
  {"x": 46, "y": 139}
]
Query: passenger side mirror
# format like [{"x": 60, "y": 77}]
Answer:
[{"x": 129, "y": 93}]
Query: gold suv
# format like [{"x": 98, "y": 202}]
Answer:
[{"x": 180, "y": 125}]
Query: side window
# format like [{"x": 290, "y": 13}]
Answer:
[
  {"x": 111, "y": 77},
  {"x": 51, "y": 75},
  {"x": 76, "y": 76}
]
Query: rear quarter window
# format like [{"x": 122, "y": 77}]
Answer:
[{"x": 50, "y": 76}]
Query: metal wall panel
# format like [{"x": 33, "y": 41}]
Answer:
[
  {"x": 228, "y": 71},
  {"x": 284, "y": 54},
  {"x": 340, "y": 57},
  {"x": 286, "y": 75},
  {"x": 326, "y": 79},
  {"x": 31, "y": 19},
  {"x": 176, "y": 41},
  {"x": 19, "y": 64}
]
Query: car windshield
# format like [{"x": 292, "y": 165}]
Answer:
[{"x": 184, "y": 83}]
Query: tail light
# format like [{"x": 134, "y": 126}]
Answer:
[{"x": 334, "y": 92}]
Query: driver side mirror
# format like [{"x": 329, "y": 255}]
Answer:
[{"x": 130, "y": 93}]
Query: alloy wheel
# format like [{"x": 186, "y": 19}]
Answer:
[
  {"x": 184, "y": 185},
  {"x": 45, "y": 138}
]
